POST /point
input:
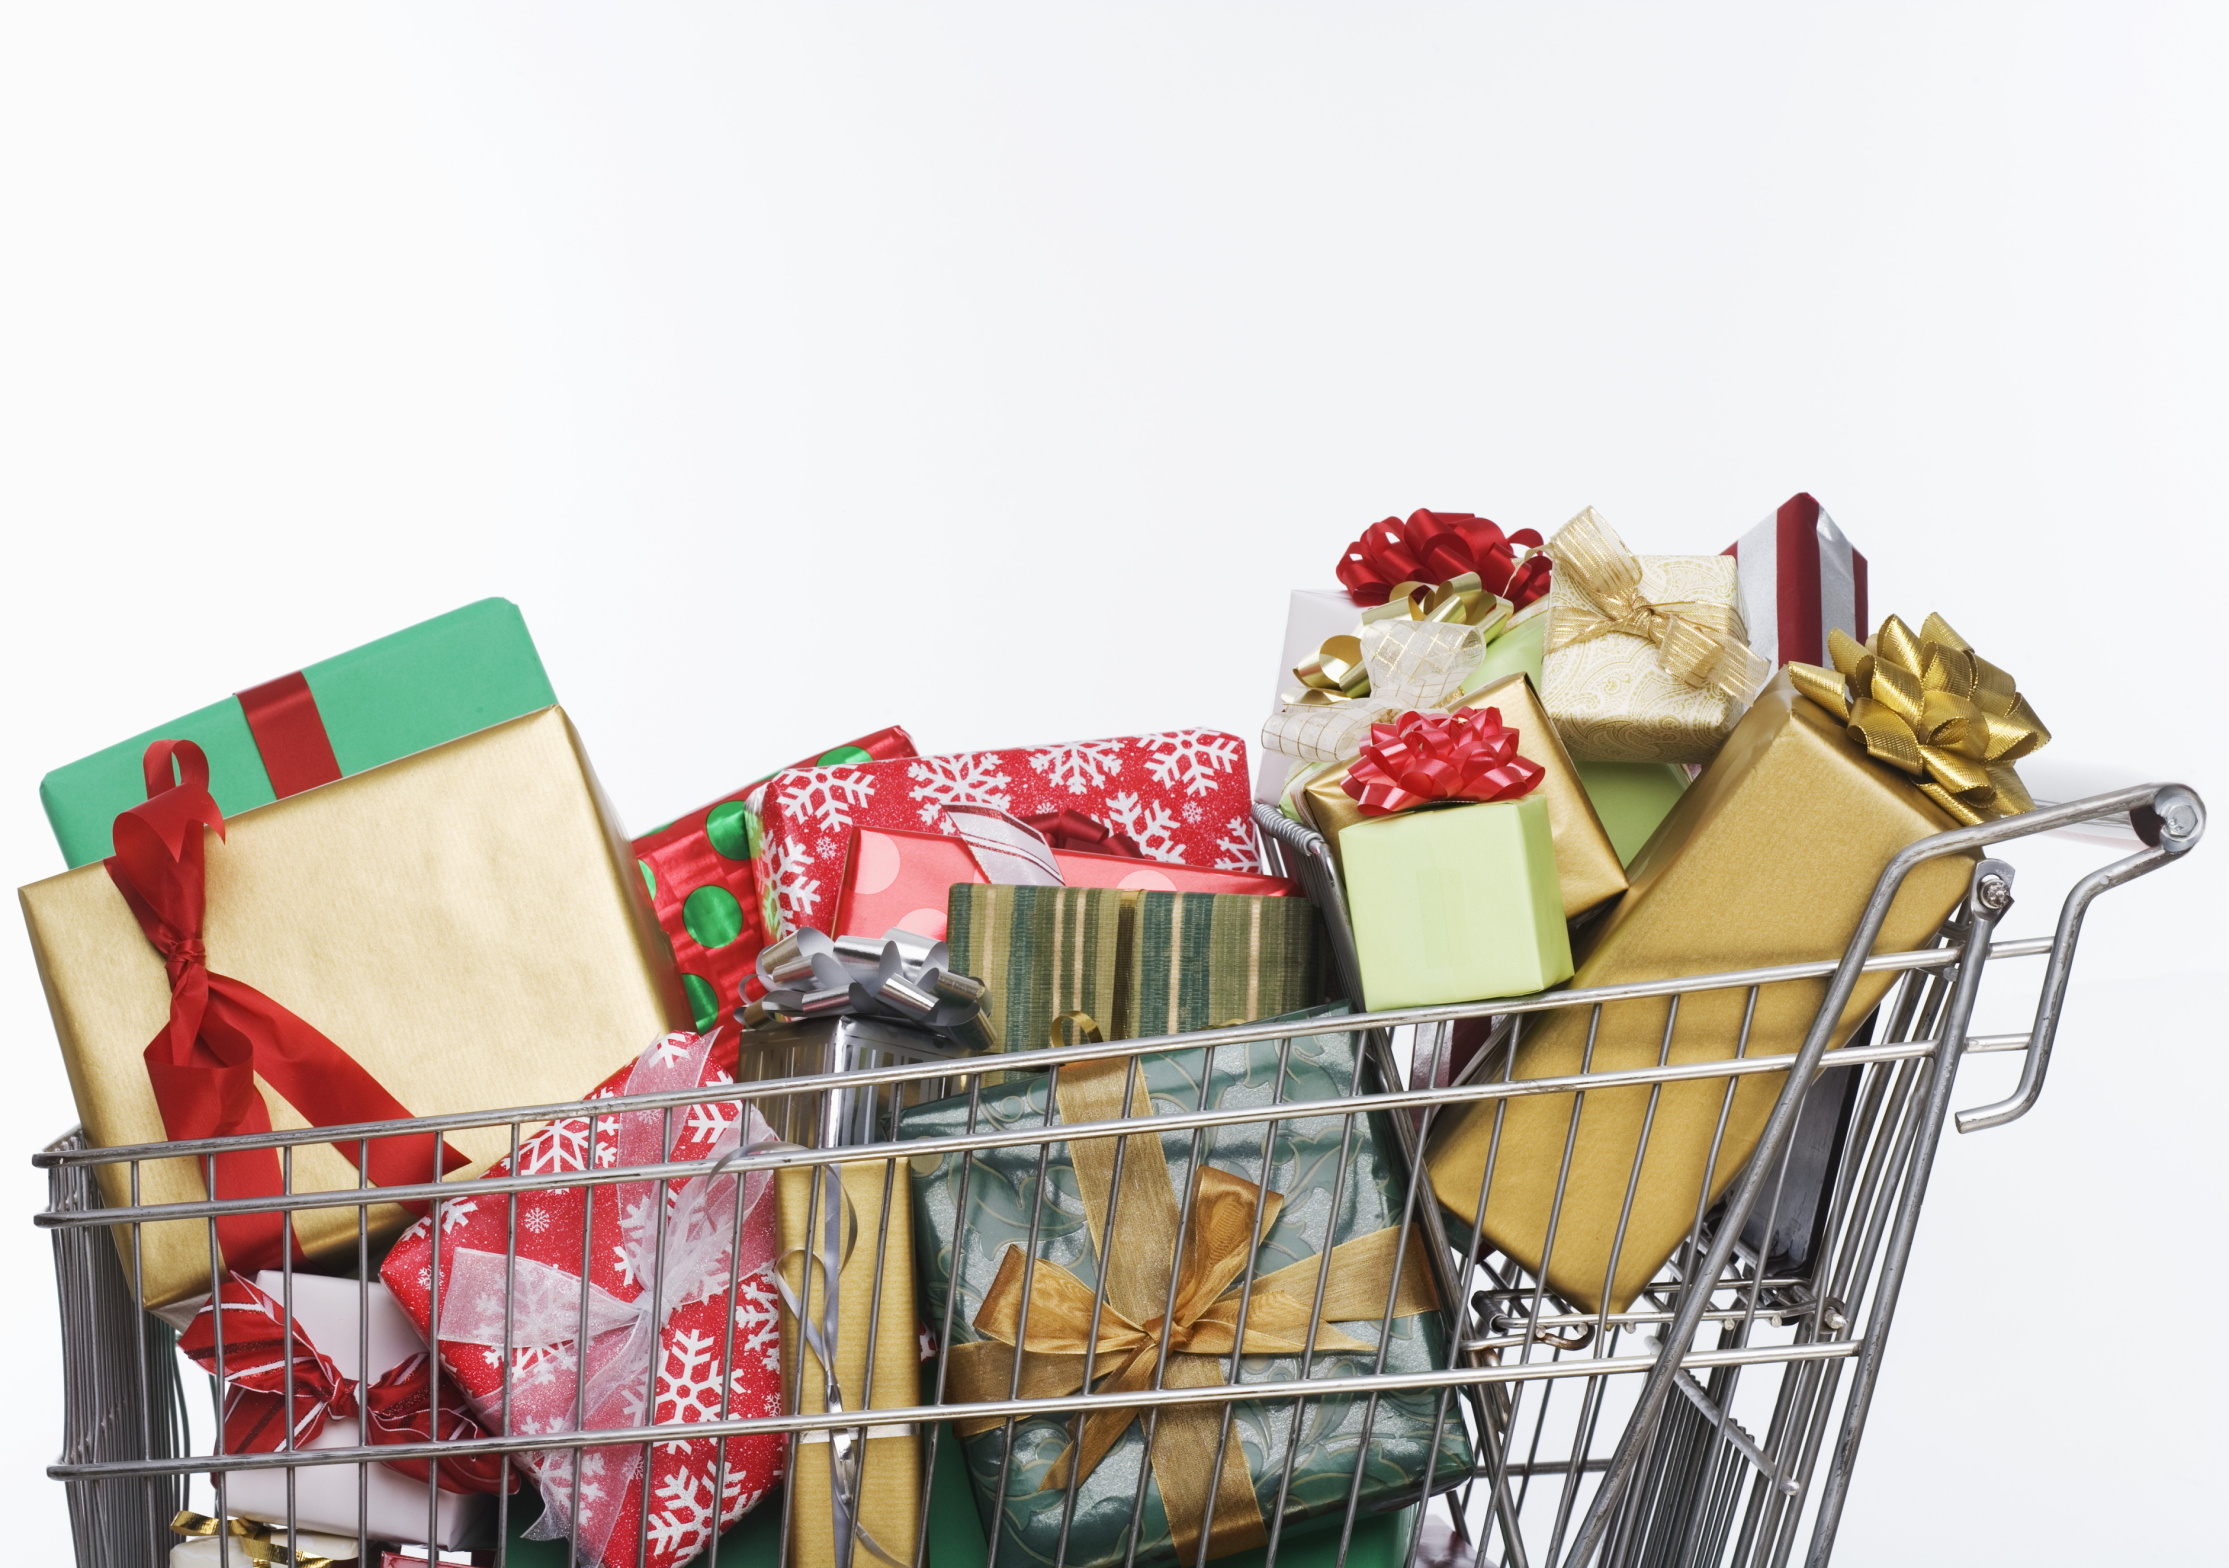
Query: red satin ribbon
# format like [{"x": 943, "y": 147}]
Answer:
[
  {"x": 1072, "y": 830},
  {"x": 1423, "y": 757},
  {"x": 222, "y": 1034},
  {"x": 1434, "y": 546},
  {"x": 395, "y": 1408},
  {"x": 289, "y": 734}
]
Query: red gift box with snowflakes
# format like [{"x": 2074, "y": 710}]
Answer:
[
  {"x": 1182, "y": 796},
  {"x": 699, "y": 870},
  {"x": 715, "y": 1339}
]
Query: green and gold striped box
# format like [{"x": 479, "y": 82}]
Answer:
[{"x": 1133, "y": 964}]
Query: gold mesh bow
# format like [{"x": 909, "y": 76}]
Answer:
[
  {"x": 1701, "y": 645},
  {"x": 1931, "y": 706}
]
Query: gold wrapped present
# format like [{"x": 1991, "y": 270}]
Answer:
[
  {"x": 862, "y": 1486},
  {"x": 1645, "y": 658},
  {"x": 1587, "y": 865},
  {"x": 464, "y": 925},
  {"x": 1768, "y": 859}
]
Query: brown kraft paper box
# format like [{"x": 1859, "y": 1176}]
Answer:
[
  {"x": 1767, "y": 859},
  {"x": 465, "y": 922}
]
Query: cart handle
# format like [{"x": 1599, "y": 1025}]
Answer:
[{"x": 2169, "y": 824}]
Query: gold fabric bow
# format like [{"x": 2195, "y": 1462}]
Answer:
[
  {"x": 1135, "y": 1323},
  {"x": 1701, "y": 645},
  {"x": 1340, "y": 673},
  {"x": 1931, "y": 706}
]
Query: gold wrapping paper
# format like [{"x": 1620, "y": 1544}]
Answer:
[
  {"x": 1610, "y": 695},
  {"x": 465, "y": 922},
  {"x": 1767, "y": 859},
  {"x": 1587, "y": 865},
  {"x": 890, "y": 1484}
]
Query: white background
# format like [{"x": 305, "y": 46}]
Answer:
[{"x": 997, "y": 371}]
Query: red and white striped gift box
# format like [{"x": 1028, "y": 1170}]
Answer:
[{"x": 1799, "y": 576}]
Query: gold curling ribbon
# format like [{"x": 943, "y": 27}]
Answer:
[
  {"x": 1935, "y": 709},
  {"x": 1701, "y": 645},
  {"x": 254, "y": 1537},
  {"x": 1410, "y": 664},
  {"x": 1202, "y": 1330}
]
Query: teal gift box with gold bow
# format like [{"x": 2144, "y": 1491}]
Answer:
[{"x": 1331, "y": 1189}]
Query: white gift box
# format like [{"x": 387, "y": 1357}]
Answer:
[
  {"x": 228, "y": 1551},
  {"x": 325, "y": 1495},
  {"x": 1313, "y": 615}
]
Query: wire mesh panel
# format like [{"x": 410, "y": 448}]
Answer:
[{"x": 852, "y": 1299}]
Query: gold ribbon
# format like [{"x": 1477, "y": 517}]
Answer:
[
  {"x": 1932, "y": 707},
  {"x": 1134, "y": 1322},
  {"x": 254, "y": 1537},
  {"x": 1701, "y": 645}
]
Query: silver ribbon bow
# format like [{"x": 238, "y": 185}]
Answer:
[{"x": 900, "y": 976}]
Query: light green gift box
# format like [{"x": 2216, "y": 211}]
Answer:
[
  {"x": 1455, "y": 903},
  {"x": 1631, "y": 798}
]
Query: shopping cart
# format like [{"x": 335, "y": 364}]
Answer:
[{"x": 1687, "y": 1428}]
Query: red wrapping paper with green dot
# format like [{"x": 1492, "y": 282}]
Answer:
[{"x": 705, "y": 894}]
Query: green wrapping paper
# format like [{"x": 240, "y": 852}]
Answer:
[
  {"x": 1312, "y": 1156},
  {"x": 1135, "y": 963}
]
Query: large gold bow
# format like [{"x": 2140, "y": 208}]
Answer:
[
  {"x": 1936, "y": 709},
  {"x": 1701, "y": 645},
  {"x": 1135, "y": 1321}
]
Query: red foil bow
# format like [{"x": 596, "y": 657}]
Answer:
[
  {"x": 1424, "y": 757},
  {"x": 1435, "y": 546},
  {"x": 223, "y": 1034},
  {"x": 1070, "y": 829},
  {"x": 253, "y": 1370}
]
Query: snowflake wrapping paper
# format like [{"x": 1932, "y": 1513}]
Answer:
[
  {"x": 701, "y": 1374},
  {"x": 1182, "y": 795},
  {"x": 700, "y": 872}
]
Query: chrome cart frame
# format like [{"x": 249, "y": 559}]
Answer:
[{"x": 1768, "y": 1324}]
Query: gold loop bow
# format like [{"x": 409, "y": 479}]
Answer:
[
  {"x": 1932, "y": 707},
  {"x": 1340, "y": 671},
  {"x": 1701, "y": 645},
  {"x": 1228, "y": 1213},
  {"x": 254, "y": 1538}
]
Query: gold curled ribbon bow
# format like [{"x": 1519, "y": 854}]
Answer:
[
  {"x": 1339, "y": 672},
  {"x": 1701, "y": 645},
  {"x": 1932, "y": 707},
  {"x": 1135, "y": 1322},
  {"x": 254, "y": 1536}
]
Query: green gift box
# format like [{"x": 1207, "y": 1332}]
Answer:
[
  {"x": 418, "y": 688},
  {"x": 1133, "y": 963},
  {"x": 1331, "y": 1193},
  {"x": 1455, "y": 903}
]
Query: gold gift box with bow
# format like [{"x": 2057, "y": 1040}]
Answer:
[
  {"x": 875, "y": 1254},
  {"x": 466, "y": 923},
  {"x": 1646, "y": 656},
  {"x": 1768, "y": 859}
]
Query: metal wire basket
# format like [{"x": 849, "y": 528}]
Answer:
[{"x": 1685, "y": 1428}]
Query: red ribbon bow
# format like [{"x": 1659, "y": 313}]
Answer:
[
  {"x": 1435, "y": 546},
  {"x": 1072, "y": 830},
  {"x": 1466, "y": 755},
  {"x": 395, "y": 1408},
  {"x": 223, "y": 1034}
]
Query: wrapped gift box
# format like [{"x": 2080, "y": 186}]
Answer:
[
  {"x": 1800, "y": 579},
  {"x": 465, "y": 924},
  {"x": 520, "y": 1284},
  {"x": 1767, "y": 859},
  {"x": 1134, "y": 963},
  {"x": 1589, "y": 869},
  {"x": 1181, "y": 796},
  {"x": 431, "y": 683},
  {"x": 834, "y": 1514},
  {"x": 969, "y": 1256},
  {"x": 704, "y": 889},
  {"x": 904, "y": 880},
  {"x": 325, "y": 1496},
  {"x": 1612, "y": 696}
]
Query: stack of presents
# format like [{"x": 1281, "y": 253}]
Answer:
[{"x": 388, "y": 886}]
